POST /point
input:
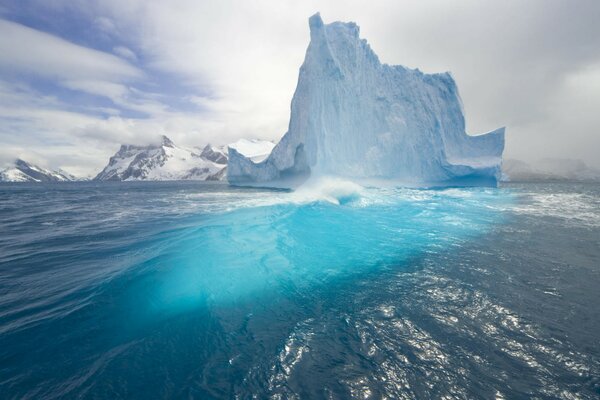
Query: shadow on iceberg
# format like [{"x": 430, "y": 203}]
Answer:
[{"x": 352, "y": 116}]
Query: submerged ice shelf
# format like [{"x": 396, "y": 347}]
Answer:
[{"x": 354, "y": 117}]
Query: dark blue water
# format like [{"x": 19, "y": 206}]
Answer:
[{"x": 197, "y": 290}]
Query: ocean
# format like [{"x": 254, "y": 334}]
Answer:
[{"x": 146, "y": 290}]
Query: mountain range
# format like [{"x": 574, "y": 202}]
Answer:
[{"x": 162, "y": 161}]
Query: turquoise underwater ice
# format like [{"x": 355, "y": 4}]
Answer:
[{"x": 294, "y": 240}]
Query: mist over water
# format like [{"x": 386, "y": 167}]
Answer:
[{"x": 145, "y": 290}]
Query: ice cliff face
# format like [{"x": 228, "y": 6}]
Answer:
[
  {"x": 352, "y": 116},
  {"x": 22, "y": 171}
]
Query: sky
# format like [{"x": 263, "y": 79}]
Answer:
[{"x": 80, "y": 77}]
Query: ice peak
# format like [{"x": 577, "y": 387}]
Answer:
[
  {"x": 317, "y": 26},
  {"x": 315, "y": 21}
]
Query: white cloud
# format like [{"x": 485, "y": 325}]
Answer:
[
  {"x": 106, "y": 25},
  {"x": 113, "y": 91},
  {"x": 121, "y": 95},
  {"x": 241, "y": 53},
  {"x": 31, "y": 51},
  {"x": 74, "y": 67},
  {"x": 125, "y": 53}
]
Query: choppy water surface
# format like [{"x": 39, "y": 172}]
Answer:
[{"x": 197, "y": 290}]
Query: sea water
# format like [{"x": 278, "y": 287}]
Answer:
[{"x": 201, "y": 290}]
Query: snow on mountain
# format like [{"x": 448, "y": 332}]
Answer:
[
  {"x": 22, "y": 171},
  {"x": 70, "y": 176},
  {"x": 352, "y": 116},
  {"x": 549, "y": 169},
  {"x": 13, "y": 174},
  {"x": 164, "y": 161}
]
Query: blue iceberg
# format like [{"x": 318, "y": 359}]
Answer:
[{"x": 354, "y": 117}]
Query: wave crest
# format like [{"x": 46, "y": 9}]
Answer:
[{"x": 328, "y": 189}]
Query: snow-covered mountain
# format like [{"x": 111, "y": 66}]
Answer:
[
  {"x": 353, "y": 116},
  {"x": 160, "y": 162},
  {"x": 22, "y": 171},
  {"x": 167, "y": 161},
  {"x": 549, "y": 169},
  {"x": 163, "y": 161}
]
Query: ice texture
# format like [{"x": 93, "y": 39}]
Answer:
[
  {"x": 352, "y": 116},
  {"x": 254, "y": 149}
]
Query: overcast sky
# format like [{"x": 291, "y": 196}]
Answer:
[{"x": 80, "y": 77}]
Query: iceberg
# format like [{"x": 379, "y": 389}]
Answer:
[{"x": 354, "y": 117}]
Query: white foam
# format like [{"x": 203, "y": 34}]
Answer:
[
  {"x": 576, "y": 207},
  {"x": 329, "y": 189}
]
